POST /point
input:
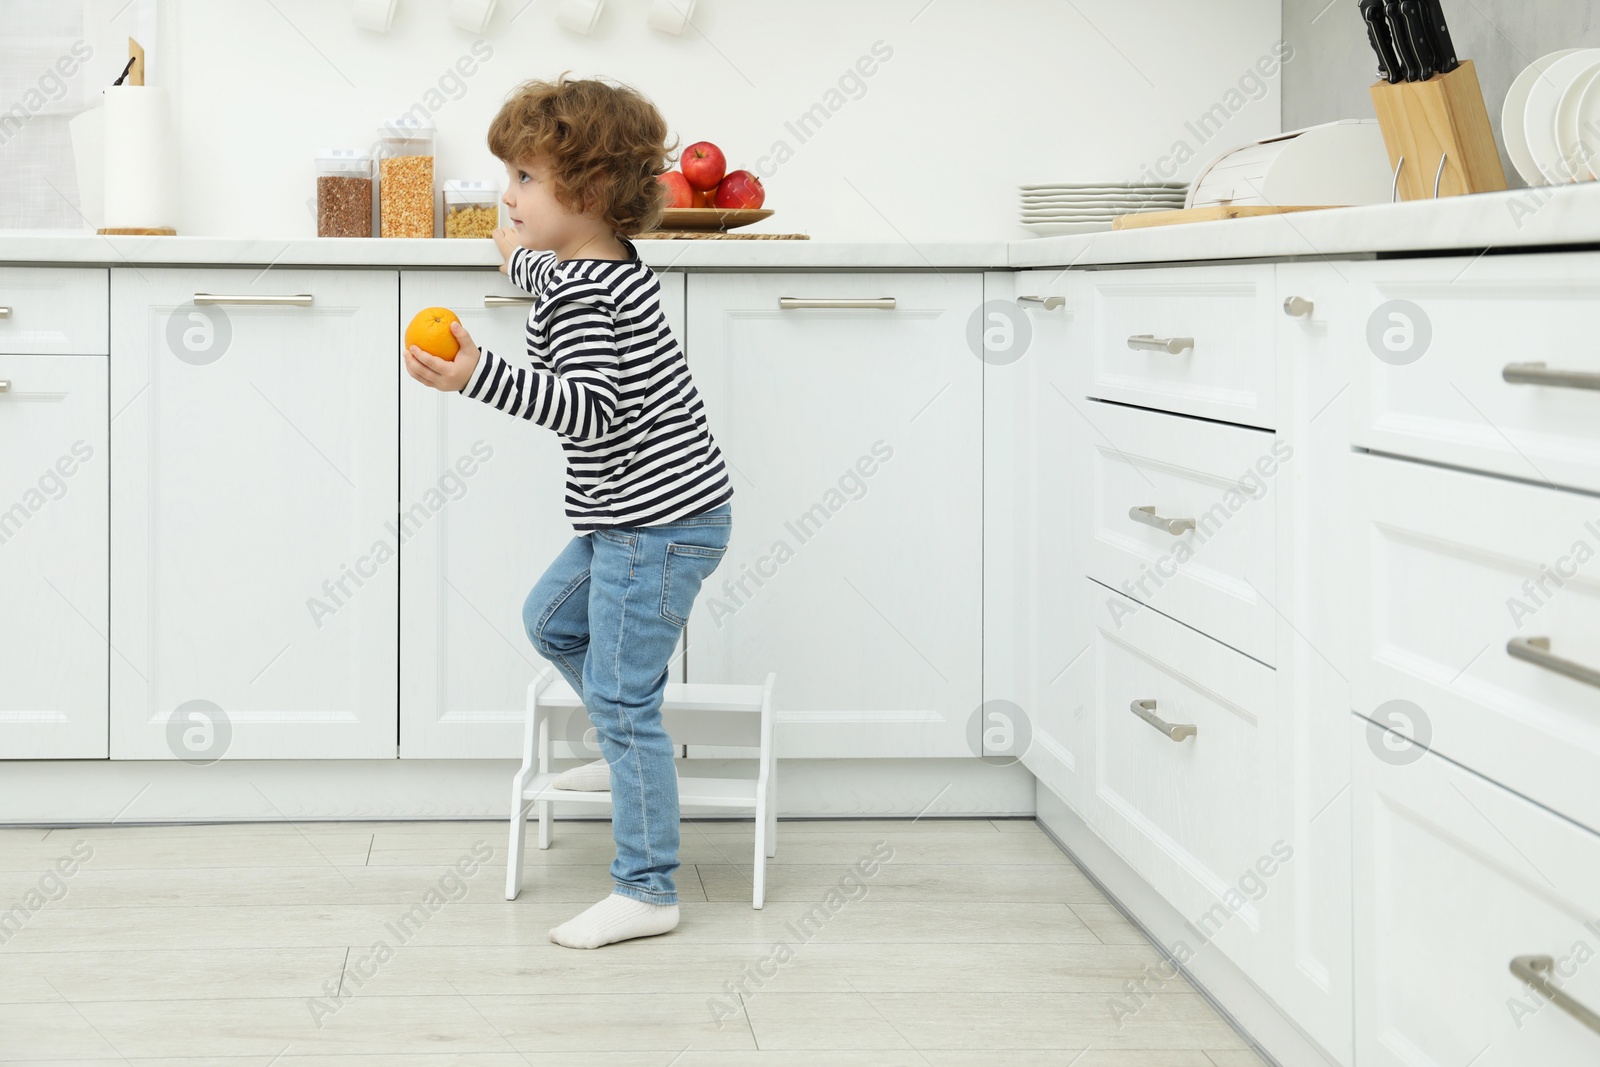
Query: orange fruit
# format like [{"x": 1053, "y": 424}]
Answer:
[{"x": 430, "y": 331}]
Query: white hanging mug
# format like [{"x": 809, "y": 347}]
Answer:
[
  {"x": 671, "y": 16},
  {"x": 579, "y": 16},
  {"x": 471, "y": 15},
  {"x": 375, "y": 15}
]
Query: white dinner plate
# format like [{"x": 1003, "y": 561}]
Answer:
[
  {"x": 1113, "y": 209},
  {"x": 1589, "y": 127},
  {"x": 1065, "y": 229},
  {"x": 1515, "y": 111},
  {"x": 1112, "y": 187},
  {"x": 1574, "y": 155},
  {"x": 1539, "y": 117},
  {"x": 1172, "y": 195},
  {"x": 1048, "y": 204},
  {"x": 1514, "y": 114}
]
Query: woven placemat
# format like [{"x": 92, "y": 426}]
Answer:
[{"x": 714, "y": 235}]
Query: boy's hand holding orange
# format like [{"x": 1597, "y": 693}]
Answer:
[{"x": 439, "y": 351}]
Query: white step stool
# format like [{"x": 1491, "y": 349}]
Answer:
[{"x": 693, "y": 713}]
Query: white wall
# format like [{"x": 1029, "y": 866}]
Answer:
[{"x": 977, "y": 96}]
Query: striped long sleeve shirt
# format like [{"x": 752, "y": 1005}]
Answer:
[{"x": 606, "y": 374}]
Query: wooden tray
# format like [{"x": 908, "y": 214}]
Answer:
[
  {"x": 717, "y": 235},
  {"x": 1142, "y": 219},
  {"x": 711, "y": 218}
]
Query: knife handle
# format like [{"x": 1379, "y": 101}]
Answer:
[
  {"x": 1378, "y": 36},
  {"x": 1421, "y": 40},
  {"x": 1402, "y": 46},
  {"x": 1444, "y": 48}
]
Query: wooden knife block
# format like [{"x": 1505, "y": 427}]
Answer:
[{"x": 1443, "y": 117}]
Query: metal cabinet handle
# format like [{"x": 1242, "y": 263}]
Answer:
[
  {"x": 1146, "y": 710},
  {"x": 1539, "y": 374},
  {"x": 5, "y": 385},
  {"x": 1536, "y": 650},
  {"x": 5, "y": 313},
  {"x": 1535, "y": 971},
  {"x": 1298, "y": 307},
  {"x": 1150, "y": 343},
  {"x": 1050, "y": 302},
  {"x": 497, "y": 301},
  {"x": 792, "y": 303},
  {"x": 298, "y": 300},
  {"x": 1148, "y": 516}
]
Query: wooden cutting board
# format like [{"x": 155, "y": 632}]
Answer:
[{"x": 1142, "y": 219}]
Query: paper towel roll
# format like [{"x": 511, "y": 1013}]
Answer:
[{"x": 138, "y": 159}]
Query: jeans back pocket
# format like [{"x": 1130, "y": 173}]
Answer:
[{"x": 687, "y": 566}]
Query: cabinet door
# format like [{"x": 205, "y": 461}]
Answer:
[
  {"x": 1036, "y": 618},
  {"x": 254, "y": 474},
  {"x": 53, "y": 532},
  {"x": 854, "y": 438},
  {"x": 482, "y": 505},
  {"x": 1462, "y": 883},
  {"x": 1307, "y": 919}
]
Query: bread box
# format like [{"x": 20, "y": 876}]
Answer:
[{"x": 1339, "y": 163}]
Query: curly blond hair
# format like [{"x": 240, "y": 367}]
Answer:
[{"x": 604, "y": 145}]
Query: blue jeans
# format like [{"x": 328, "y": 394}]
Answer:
[{"x": 607, "y": 614}]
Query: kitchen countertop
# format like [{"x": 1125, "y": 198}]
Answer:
[
  {"x": 1521, "y": 218},
  {"x": 104, "y": 250},
  {"x": 1568, "y": 215}
]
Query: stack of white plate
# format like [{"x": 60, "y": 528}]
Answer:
[
  {"x": 1551, "y": 119},
  {"x": 1088, "y": 207}
]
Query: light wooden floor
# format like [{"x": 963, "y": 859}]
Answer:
[{"x": 211, "y": 944}]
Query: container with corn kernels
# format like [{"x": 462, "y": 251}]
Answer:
[
  {"x": 471, "y": 209},
  {"x": 405, "y": 178}
]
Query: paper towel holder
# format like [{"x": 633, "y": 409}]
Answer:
[{"x": 134, "y": 75}]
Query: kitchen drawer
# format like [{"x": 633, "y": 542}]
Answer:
[
  {"x": 1457, "y": 879},
  {"x": 1450, "y": 565},
  {"x": 54, "y": 540},
  {"x": 1212, "y": 564},
  {"x": 1189, "y": 815},
  {"x": 54, "y": 311},
  {"x": 1430, "y": 380},
  {"x": 1226, "y": 311}
]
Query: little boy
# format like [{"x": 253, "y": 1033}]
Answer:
[{"x": 647, "y": 489}]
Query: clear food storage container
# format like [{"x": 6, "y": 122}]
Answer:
[
  {"x": 405, "y": 178},
  {"x": 471, "y": 209},
  {"x": 344, "y": 193}
]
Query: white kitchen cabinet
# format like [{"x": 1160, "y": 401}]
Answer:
[
  {"x": 1194, "y": 340},
  {"x": 1487, "y": 362},
  {"x": 53, "y": 548},
  {"x": 853, "y": 435},
  {"x": 1182, "y": 520},
  {"x": 59, "y": 311},
  {"x": 482, "y": 507},
  {"x": 1036, "y": 676},
  {"x": 1307, "y": 917},
  {"x": 1183, "y": 729},
  {"x": 254, "y": 578},
  {"x": 1460, "y": 881},
  {"x": 1461, "y": 576}
]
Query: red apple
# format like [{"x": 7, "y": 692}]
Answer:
[
  {"x": 739, "y": 189},
  {"x": 703, "y": 164},
  {"x": 702, "y": 198},
  {"x": 679, "y": 193}
]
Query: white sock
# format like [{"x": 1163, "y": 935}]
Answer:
[
  {"x": 591, "y": 777},
  {"x": 616, "y": 918}
]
